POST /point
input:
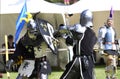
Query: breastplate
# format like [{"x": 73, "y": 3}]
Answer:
[
  {"x": 110, "y": 39},
  {"x": 109, "y": 35}
]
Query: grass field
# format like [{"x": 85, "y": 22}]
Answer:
[{"x": 99, "y": 71}]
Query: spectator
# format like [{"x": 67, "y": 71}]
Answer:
[
  {"x": 11, "y": 45},
  {"x": 10, "y": 42}
]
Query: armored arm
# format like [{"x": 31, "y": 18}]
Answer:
[
  {"x": 15, "y": 57},
  {"x": 9, "y": 64},
  {"x": 101, "y": 35}
]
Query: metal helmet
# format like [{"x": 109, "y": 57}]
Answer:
[
  {"x": 86, "y": 18},
  {"x": 63, "y": 28},
  {"x": 32, "y": 27}
]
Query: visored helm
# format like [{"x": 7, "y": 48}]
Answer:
[
  {"x": 32, "y": 27},
  {"x": 86, "y": 18}
]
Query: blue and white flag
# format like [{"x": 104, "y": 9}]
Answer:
[{"x": 19, "y": 23}]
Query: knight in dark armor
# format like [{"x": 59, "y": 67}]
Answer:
[
  {"x": 32, "y": 48},
  {"x": 84, "y": 39}
]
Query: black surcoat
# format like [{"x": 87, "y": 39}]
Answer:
[{"x": 25, "y": 47}]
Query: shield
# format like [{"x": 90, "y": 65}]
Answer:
[{"x": 46, "y": 30}]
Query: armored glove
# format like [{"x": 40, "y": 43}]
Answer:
[
  {"x": 9, "y": 65},
  {"x": 69, "y": 41}
]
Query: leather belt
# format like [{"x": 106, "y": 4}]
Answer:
[{"x": 109, "y": 43}]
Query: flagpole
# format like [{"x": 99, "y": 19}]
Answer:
[
  {"x": 64, "y": 19},
  {"x": 64, "y": 15},
  {"x": 66, "y": 23},
  {"x": 7, "y": 57}
]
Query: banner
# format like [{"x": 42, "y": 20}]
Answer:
[{"x": 19, "y": 23}]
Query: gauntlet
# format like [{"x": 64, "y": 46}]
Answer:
[{"x": 9, "y": 65}]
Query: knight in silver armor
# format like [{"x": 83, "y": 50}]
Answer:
[
  {"x": 84, "y": 39},
  {"x": 108, "y": 47},
  {"x": 32, "y": 48}
]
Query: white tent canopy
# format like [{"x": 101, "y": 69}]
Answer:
[
  {"x": 15, "y": 6},
  {"x": 95, "y": 5}
]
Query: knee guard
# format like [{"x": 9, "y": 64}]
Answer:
[
  {"x": 108, "y": 69},
  {"x": 111, "y": 60},
  {"x": 114, "y": 62}
]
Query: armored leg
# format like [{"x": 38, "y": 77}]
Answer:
[
  {"x": 45, "y": 68},
  {"x": 73, "y": 70},
  {"x": 111, "y": 67},
  {"x": 114, "y": 63}
]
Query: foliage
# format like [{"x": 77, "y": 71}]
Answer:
[
  {"x": 54, "y": 1},
  {"x": 61, "y": 1}
]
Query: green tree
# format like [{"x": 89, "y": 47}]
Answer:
[{"x": 61, "y": 1}]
